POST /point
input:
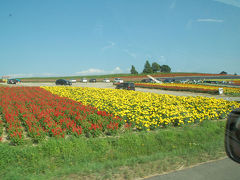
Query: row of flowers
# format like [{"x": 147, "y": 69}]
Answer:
[
  {"x": 149, "y": 110},
  {"x": 39, "y": 113},
  {"x": 190, "y": 87}
]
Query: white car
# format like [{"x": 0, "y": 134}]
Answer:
[
  {"x": 106, "y": 80},
  {"x": 118, "y": 80},
  {"x": 84, "y": 80},
  {"x": 73, "y": 80}
]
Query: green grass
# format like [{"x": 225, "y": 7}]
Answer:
[{"x": 128, "y": 156}]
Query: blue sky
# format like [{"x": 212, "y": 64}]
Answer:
[{"x": 85, "y": 37}]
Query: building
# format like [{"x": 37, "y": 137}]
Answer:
[{"x": 5, "y": 78}]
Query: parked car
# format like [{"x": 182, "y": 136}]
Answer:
[
  {"x": 12, "y": 81},
  {"x": 184, "y": 81},
  {"x": 92, "y": 80},
  {"x": 126, "y": 85},
  {"x": 169, "y": 81},
  {"x": 147, "y": 80},
  {"x": 232, "y": 135},
  {"x": 63, "y": 82},
  {"x": 106, "y": 80},
  {"x": 84, "y": 80},
  {"x": 18, "y": 80},
  {"x": 118, "y": 80}
]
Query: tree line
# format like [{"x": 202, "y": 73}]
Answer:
[{"x": 154, "y": 68}]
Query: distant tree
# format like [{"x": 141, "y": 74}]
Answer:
[
  {"x": 223, "y": 72},
  {"x": 235, "y": 74},
  {"x": 156, "y": 67},
  {"x": 147, "y": 68},
  {"x": 165, "y": 68},
  {"x": 133, "y": 70}
]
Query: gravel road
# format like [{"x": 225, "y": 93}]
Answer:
[{"x": 111, "y": 86}]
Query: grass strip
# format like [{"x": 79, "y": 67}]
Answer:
[{"x": 129, "y": 156}]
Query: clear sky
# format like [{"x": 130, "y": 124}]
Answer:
[{"x": 83, "y": 37}]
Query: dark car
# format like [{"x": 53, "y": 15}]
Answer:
[
  {"x": 126, "y": 85},
  {"x": 63, "y": 82},
  {"x": 92, "y": 80},
  {"x": 12, "y": 81},
  {"x": 147, "y": 81},
  {"x": 169, "y": 81},
  {"x": 232, "y": 135}
]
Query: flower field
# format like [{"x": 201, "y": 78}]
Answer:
[
  {"x": 148, "y": 110},
  {"x": 38, "y": 113},
  {"x": 190, "y": 87},
  {"x": 32, "y": 112}
]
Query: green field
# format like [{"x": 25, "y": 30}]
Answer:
[{"x": 128, "y": 156}]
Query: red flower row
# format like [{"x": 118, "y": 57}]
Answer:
[{"x": 41, "y": 113}]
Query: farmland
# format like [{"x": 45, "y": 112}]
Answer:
[
  {"x": 192, "y": 88},
  {"x": 88, "y": 132},
  {"x": 146, "y": 110},
  {"x": 42, "y": 114}
]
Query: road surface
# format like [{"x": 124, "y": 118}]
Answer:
[{"x": 220, "y": 170}]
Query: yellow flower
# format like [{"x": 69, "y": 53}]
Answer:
[{"x": 148, "y": 109}]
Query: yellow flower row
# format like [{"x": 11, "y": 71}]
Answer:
[{"x": 148, "y": 110}]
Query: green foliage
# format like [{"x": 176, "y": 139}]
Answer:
[
  {"x": 133, "y": 70},
  {"x": 147, "y": 68},
  {"x": 223, "y": 72},
  {"x": 156, "y": 67},
  {"x": 165, "y": 68},
  {"x": 90, "y": 156}
]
